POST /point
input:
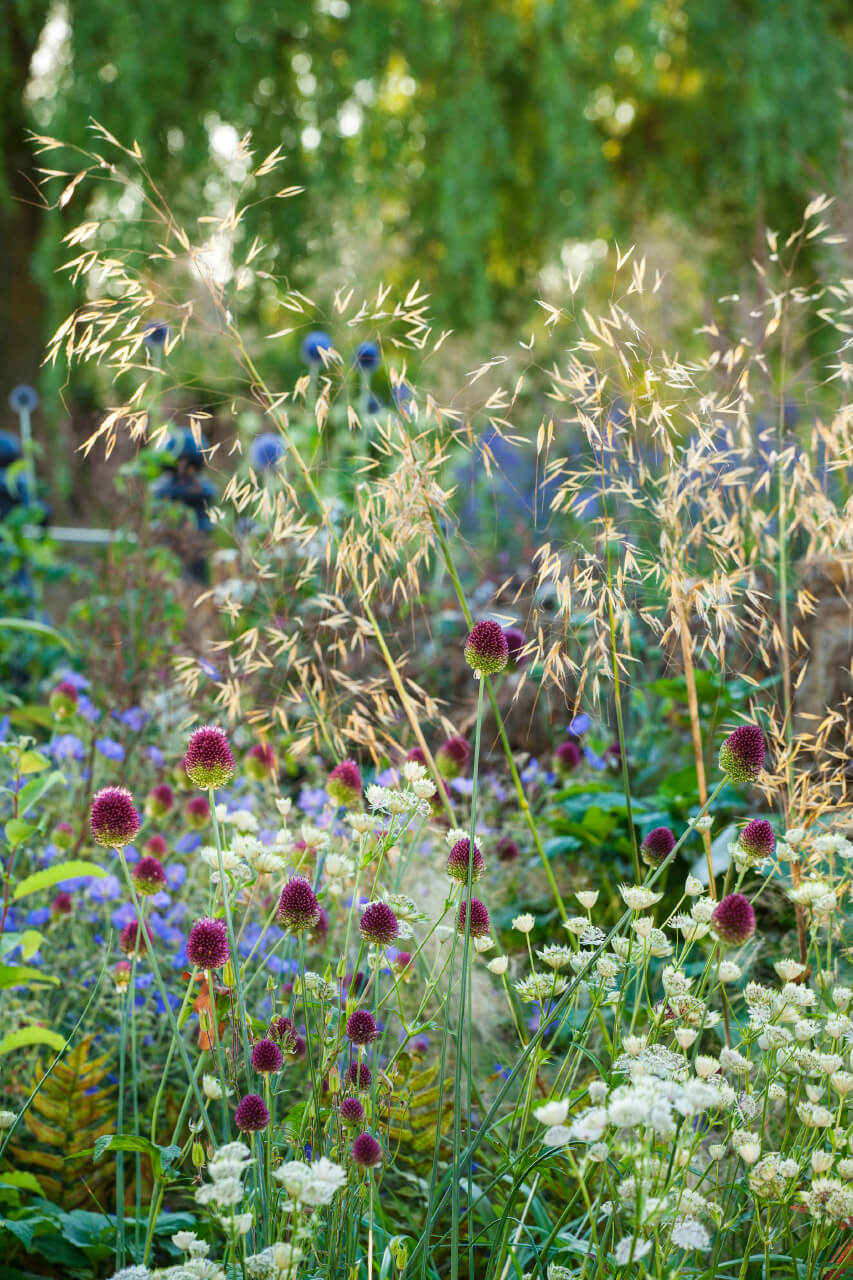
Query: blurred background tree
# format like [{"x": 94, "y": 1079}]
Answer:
[{"x": 474, "y": 144}]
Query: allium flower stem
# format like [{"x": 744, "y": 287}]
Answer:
[
  {"x": 523, "y": 804},
  {"x": 135, "y": 1087},
  {"x": 126, "y": 999},
  {"x": 170, "y": 1013},
  {"x": 229, "y": 924},
  {"x": 309, "y": 1051},
  {"x": 218, "y": 1053},
  {"x": 465, "y": 992}
]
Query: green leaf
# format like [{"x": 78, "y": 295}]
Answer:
[
  {"x": 162, "y": 1158},
  {"x": 29, "y": 941},
  {"x": 32, "y": 715},
  {"x": 53, "y": 875},
  {"x": 17, "y": 831},
  {"x": 33, "y": 762},
  {"x": 21, "y": 1229},
  {"x": 31, "y": 1035},
  {"x": 22, "y": 1180},
  {"x": 39, "y": 628},
  {"x": 14, "y": 975},
  {"x": 36, "y": 788}
]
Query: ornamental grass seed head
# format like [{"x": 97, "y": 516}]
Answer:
[
  {"x": 208, "y": 762},
  {"x": 742, "y": 753},
  {"x": 734, "y": 919},
  {"x": 148, "y": 875},
  {"x": 207, "y": 944},
  {"x": 657, "y": 846},
  {"x": 460, "y": 861},
  {"x": 113, "y": 819},
  {"x": 298, "y": 907},
  {"x": 344, "y": 785},
  {"x": 486, "y": 649},
  {"x": 251, "y": 1115},
  {"x": 379, "y": 924}
]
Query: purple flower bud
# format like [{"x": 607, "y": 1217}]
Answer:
[
  {"x": 209, "y": 762},
  {"x": 344, "y": 784},
  {"x": 298, "y": 907},
  {"x": 361, "y": 1027},
  {"x": 742, "y": 753},
  {"x": 459, "y": 860},
  {"x": 266, "y": 1057},
  {"x": 479, "y": 927},
  {"x": 148, "y": 876},
  {"x": 452, "y": 756},
  {"x": 486, "y": 649},
  {"x": 657, "y": 846},
  {"x": 366, "y": 1151},
  {"x": 207, "y": 945},
  {"x": 251, "y": 1115},
  {"x": 113, "y": 818},
  {"x": 379, "y": 924},
  {"x": 734, "y": 919},
  {"x": 758, "y": 839},
  {"x": 357, "y": 1075},
  {"x": 351, "y": 1111}
]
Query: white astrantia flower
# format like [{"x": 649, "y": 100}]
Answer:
[
  {"x": 242, "y": 819},
  {"x": 498, "y": 965},
  {"x": 526, "y": 922},
  {"x": 413, "y": 771},
  {"x": 7, "y": 1119},
  {"x": 637, "y": 898},
  {"x": 183, "y": 1240},
  {"x": 284, "y": 806},
  {"x": 455, "y": 834},
  {"x": 702, "y": 824},
  {"x": 631, "y": 1249},
  {"x": 325, "y": 1178},
  {"x": 541, "y": 986},
  {"x": 557, "y": 1136},
  {"x": 728, "y": 971},
  {"x": 227, "y": 1192},
  {"x": 688, "y": 1233},
  {"x": 335, "y": 864},
  {"x": 132, "y": 1273},
  {"x": 795, "y": 836},
  {"x": 576, "y": 924},
  {"x": 686, "y": 1037},
  {"x": 553, "y": 1112},
  {"x": 693, "y": 887},
  {"x": 556, "y": 957},
  {"x": 483, "y": 944},
  {"x": 590, "y": 1125},
  {"x": 243, "y": 1223},
  {"x": 361, "y": 823},
  {"x": 424, "y": 788},
  {"x": 587, "y": 898}
]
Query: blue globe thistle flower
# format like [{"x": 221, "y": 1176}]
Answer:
[
  {"x": 180, "y": 446},
  {"x": 10, "y": 448},
  {"x": 402, "y": 397},
  {"x": 314, "y": 345},
  {"x": 23, "y": 399},
  {"x": 374, "y": 404},
  {"x": 155, "y": 334},
  {"x": 266, "y": 451},
  {"x": 367, "y": 357}
]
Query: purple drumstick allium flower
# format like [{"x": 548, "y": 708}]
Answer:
[
  {"x": 344, "y": 784},
  {"x": 508, "y": 850},
  {"x": 379, "y": 924},
  {"x": 266, "y": 1057},
  {"x": 314, "y": 345},
  {"x": 486, "y": 649},
  {"x": 62, "y": 905},
  {"x": 156, "y": 846},
  {"x": 207, "y": 945},
  {"x": 209, "y": 762},
  {"x": 734, "y": 919},
  {"x": 159, "y": 801},
  {"x": 251, "y": 1115},
  {"x": 351, "y": 1111},
  {"x": 742, "y": 753},
  {"x": 129, "y": 939},
  {"x": 260, "y": 761},
  {"x": 197, "y": 812},
  {"x": 361, "y": 1027},
  {"x": 459, "y": 860},
  {"x": 452, "y": 756},
  {"x": 298, "y": 907},
  {"x": 358, "y": 1075},
  {"x": 757, "y": 839},
  {"x": 516, "y": 641},
  {"x": 657, "y": 846},
  {"x": 63, "y": 835},
  {"x": 113, "y": 818},
  {"x": 149, "y": 875},
  {"x": 479, "y": 927},
  {"x": 567, "y": 757},
  {"x": 366, "y": 1151},
  {"x": 63, "y": 700}
]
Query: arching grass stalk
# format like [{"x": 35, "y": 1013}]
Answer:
[
  {"x": 523, "y": 803},
  {"x": 464, "y": 991},
  {"x": 164, "y": 996}
]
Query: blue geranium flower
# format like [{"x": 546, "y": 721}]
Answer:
[
  {"x": 105, "y": 889},
  {"x": 155, "y": 755},
  {"x": 109, "y": 748},
  {"x": 580, "y": 725},
  {"x": 188, "y": 843},
  {"x": 87, "y": 709},
  {"x": 67, "y": 746},
  {"x": 134, "y": 718}
]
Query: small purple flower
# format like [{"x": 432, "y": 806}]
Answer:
[
  {"x": 208, "y": 761},
  {"x": 460, "y": 862},
  {"x": 266, "y": 1057},
  {"x": 734, "y": 919},
  {"x": 452, "y": 756},
  {"x": 366, "y": 1151},
  {"x": 351, "y": 1111},
  {"x": 486, "y": 649},
  {"x": 344, "y": 784},
  {"x": 479, "y": 926},
  {"x": 742, "y": 753},
  {"x": 113, "y": 819},
  {"x": 657, "y": 846},
  {"x": 298, "y": 907},
  {"x": 251, "y": 1115},
  {"x": 379, "y": 924},
  {"x": 361, "y": 1027},
  {"x": 758, "y": 839},
  {"x": 207, "y": 945}
]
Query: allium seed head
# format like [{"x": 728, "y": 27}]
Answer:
[
  {"x": 452, "y": 756},
  {"x": 209, "y": 762},
  {"x": 266, "y": 1057},
  {"x": 197, "y": 812},
  {"x": 129, "y": 938},
  {"x": 379, "y": 924},
  {"x": 148, "y": 875},
  {"x": 657, "y": 846},
  {"x": 361, "y": 1027},
  {"x": 351, "y": 1111},
  {"x": 251, "y": 1115},
  {"x": 343, "y": 784},
  {"x": 113, "y": 819},
  {"x": 479, "y": 926},
  {"x": 366, "y": 1151},
  {"x": 436, "y": 804},
  {"x": 486, "y": 649},
  {"x": 734, "y": 919},
  {"x": 568, "y": 756},
  {"x": 758, "y": 839},
  {"x": 742, "y": 753},
  {"x": 159, "y": 801},
  {"x": 298, "y": 907},
  {"x": 260, "y": 761},
  {"x": 207, "y": 945},
  {"x": 62, "y": 905},
  {"x": 156, "y": 846},
  {"x": 63, "y": 835},
  {"x": 460, "y": 859},
  {"x": 357, "y": 1075}
]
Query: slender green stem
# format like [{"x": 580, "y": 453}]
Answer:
[
  {"x": 218, "y": 1053},
  {"x": 229, "y": 925},
  {"x": 122, "y": 1061},
  {"x": 134, "y": 1060}
]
